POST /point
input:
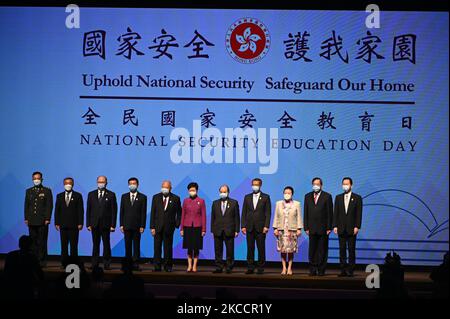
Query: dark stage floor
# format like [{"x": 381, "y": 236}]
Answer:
[{"x": 269, "y": 285}]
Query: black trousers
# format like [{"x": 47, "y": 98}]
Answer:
[
  {"x": 260, "y": 239},
  {"x": 218, "y": 250},
  {"x": 101, "y": 234},
  {"x": 347, "y": 241},
  {"x": 163, "y": 239},
  {"x": 39, "y": 235},
  {"x": 318, "y": 252},
  {"x": 133, "y": 244},
  {"x": 69, "y": 238}
]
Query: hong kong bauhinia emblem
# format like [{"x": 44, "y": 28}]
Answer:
[{"x": 247, "y": 40}]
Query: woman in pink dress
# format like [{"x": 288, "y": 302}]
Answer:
[{"x": 193, "y": 225}]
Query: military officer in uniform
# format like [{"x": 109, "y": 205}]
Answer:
[{"x": 37, "y": 213}]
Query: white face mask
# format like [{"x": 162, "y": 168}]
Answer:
[
  {"x": 255, "y": 188},
  {"x": 132, "y": 187},
  {"x": 164, "y": 191},
  {"x": 316, "y": 188},
  {"x": 346, "y": 188},
  {"x": 101, "y": 185},
  {"x": 223, "y": 195},
  {"x": 287, "y": 197},
  {"x": 192, "y": 193},
  {"x": 37, "y": 182},
  {"x": 68, "y": 187}
]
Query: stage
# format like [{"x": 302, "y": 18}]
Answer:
[{"x": 270, "y": 285}]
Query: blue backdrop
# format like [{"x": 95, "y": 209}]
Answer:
[{"x": 393, "y": 140}]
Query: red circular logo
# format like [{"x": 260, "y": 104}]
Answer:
[{"x": 247, "y": 40}]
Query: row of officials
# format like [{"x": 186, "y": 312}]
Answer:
[{"x": 167, "y": 213}]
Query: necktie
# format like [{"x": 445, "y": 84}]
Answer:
[
  {"x": 132, "y": 199},
  {"x": 346, "y": 203},
  {"x": 165, "y": 202},
  {"x": 315, "y": 198},
  {"x": 224, "y": 206},
  {"x": 67, "y": 199}
]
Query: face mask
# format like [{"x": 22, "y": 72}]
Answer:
[
  {"x": 223, "y": 195},
  {"x": 36, "y": 182},
  {"x": 68, "y": 187},
  {"x": 132, "y": 187},
  {"x": 164, "y": 191},
  {"x": 101, "y": 185},
  {"x": 192, "y": 193},
  {"x": 346, "y": 188},
  {"x": 255, "y": 188},
  {"x": 287, "y": 197},
  {"x": 316, "y": 188}
]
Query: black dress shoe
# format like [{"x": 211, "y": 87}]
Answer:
[
  {"x": 157, "y": 269},
  {"x": 260, "y": 271},
  {"x": 321, "y": 274},
  {"x": 107, "y": 267},
  {"x": 312, "y": 273},
  {"x": 249, "y": 272},
  {"x": 342, "y": 274},
  {"x": 350, "y": 274},
  {"x": 168, "y": 269},
  {"x": 228, "y": 271},
  {"x": 217, "y": 271}
]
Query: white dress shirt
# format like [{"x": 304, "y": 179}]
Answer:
[
  {"x": 347, "y": 197},
  {"x": 255, "y": 199}
]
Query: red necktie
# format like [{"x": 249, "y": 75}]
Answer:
[
  {"x": 315, "y": 198},
  {"x": 165, "y": 202}
]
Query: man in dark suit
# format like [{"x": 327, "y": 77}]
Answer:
[
  {"x": 133, "y": 213},
  {"x": 225, "y": 227},
  {"x": 101, "y": 219},
  {"x": 164, "y": 218},
  {"x": 318, "y": 218},
  {"x": 37, "y": 214},
  {"x": 69, "y": 215},
  {"x": 256, "y": 212},
  {"x": 347, "y": 219}
]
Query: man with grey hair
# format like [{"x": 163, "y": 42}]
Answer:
[
  {"x": 101, "y": 219},
  {"x": 225, "y": 225},
  {"x": 165, "y": 216}
]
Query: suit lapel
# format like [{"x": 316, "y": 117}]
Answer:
[
  {"x": 318, "y": 199},
  {"x": 350, "y": 203},
  {"x": 259, "y": 199},
  {"x": 226, "y": 207},
  {"x": 135, "y": 199},
  {"x": 161, "y": 201},
  {"x": 169, "y": 200},
  {"x": 72, "y": 197}
]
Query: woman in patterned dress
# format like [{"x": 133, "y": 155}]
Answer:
[{"x": 287, "y": 225}]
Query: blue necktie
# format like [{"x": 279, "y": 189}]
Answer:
[{"x": 224, "y": 204}]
